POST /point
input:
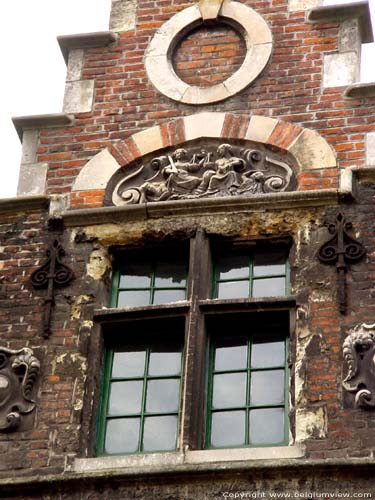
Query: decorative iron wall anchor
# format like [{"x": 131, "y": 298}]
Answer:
[
  {"x": 18, "y": 373},
  {"x": 52, "y": 272},
  {"x": 359, "y": 351},
  {"x": 341, "y": 250}
]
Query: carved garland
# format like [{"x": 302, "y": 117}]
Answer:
[
  {"x": 359, "y": 351},
  {"x": 202, "y": 173},
  {"x": 18, "y": 373}
]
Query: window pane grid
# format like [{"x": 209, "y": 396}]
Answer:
[
  {"x": 251, "y": 278},
  {"x": 143, "y": 414},
  {"x": 152, "y": 287},
  {"x": 248, "y": 406}
]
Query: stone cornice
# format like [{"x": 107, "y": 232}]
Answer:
[
  {"x": 23, "y": 203},
  {"x": 22, "y": 123},
  {"x": 85, "y": 41},
  {"x": 360, "y": 90},
  {"x": 75, "y": 480},
  {"x": 207, "y": 206},
  {"x": 337, "y": 13}
]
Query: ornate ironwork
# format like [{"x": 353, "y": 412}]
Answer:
[
  {"x": 197, "y": 173},
  {"x": 18, "y": 373},
  {"x": 359, "y": 352},
  {"x": 52, "y": 273},
  {"x": 342, "y": 250}
]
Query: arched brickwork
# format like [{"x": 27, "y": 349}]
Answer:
[{"x": 310, "y": 151}]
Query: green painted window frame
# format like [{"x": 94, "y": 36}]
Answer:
[
  {"x": 153, "y": 261},
  {"x": 107, "y": 380},
  {"x": 252, "y": 255},
  {"x": 247, "y": 407}
]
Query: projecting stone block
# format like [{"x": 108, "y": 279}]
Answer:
[
  {"x": 123, "y": 15},
  {"x": 79, "y": 96},
  {"x": 203, "y": 125},
  {"x": 312, "y": 151},
  {"x": 32, "y": 179},
  {"x": 30, "y": 140},
  {"x": 75, "y": 64},
  {"x": 340, "y": 69},
  {"x": 303, "y": 4},
  {"x": 370, "y": 149}
]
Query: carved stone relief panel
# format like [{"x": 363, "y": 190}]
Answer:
[
  {"x": 18, "y": 373},
  {"x": 201, "y": 171},
  {"x": 359, "y": 353}
]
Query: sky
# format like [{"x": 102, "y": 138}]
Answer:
[{"x": 34, "y": 70}]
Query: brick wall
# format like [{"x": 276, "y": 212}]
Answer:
[{"x": 290, "y": 89}]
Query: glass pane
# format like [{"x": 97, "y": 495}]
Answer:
[
  {"x": 133, "y": 298},
  {"x": 122, "y": 435},
  {"x": 269, "y": 287},
  {"x": 136, "y": 275},
  {"x": 163, "y": 296},
  {"x": 162, "y": 395},
  {"x": 267, "y": 264},
  {"x": 160, "y": 433},
  {"x": 233, "y": 290},
  {"x": 166, "y": 361},
  {"x": 125, "y": 398},
  {"x": 128, "y": 364},
  {"x": 232, "y": 267},
  {"x": 267, "y": 354},
  {"x": 267, "y": 426},
  {"x": 231, "y": 354},
  {"x": 170, "y": 274},
  {"x": 229, "y": 390},
  {"x": 267, "y": 388},
  {"x": 228, "y": 428}
]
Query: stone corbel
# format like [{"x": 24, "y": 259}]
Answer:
[
  {"x": 19, "y": 370},
  {"x": 359, "y": 351}
]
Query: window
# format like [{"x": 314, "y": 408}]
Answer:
[
  {"x": 196, "y": 348},
  {"x": 248, "y": 384}
]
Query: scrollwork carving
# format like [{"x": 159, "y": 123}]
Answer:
[
  {"x": 19, "y": 370},
  {"x": 197, "y": 173},
  {"x": 359, "y": 351}
]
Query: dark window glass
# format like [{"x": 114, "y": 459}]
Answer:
[
  {"x": 247, "y": 391},
  {"x": 252, "y": 274}
]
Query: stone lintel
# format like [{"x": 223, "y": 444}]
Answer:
[
  {"x": 23, "y": 203},
  {"x": 22, "y": 123},
  {"x": 338, "y": 13},
  {"x": 85, "y": 41},
  {"x": 204, "y": 206},
  {"x": 360, "y": 90}
]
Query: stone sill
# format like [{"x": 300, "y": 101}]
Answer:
[
  {"x": 164, "y": 462},
  {"x": 23, "y": 203},
  {"x": 360, "y": 90},
  {"x": 73, "y": 479},
  {"x": 22, "y": 123},
  {"x": 110, "y": 315},
  {"x": 208, "y": 206},
  {"x": 340, "y": 12},
  {"x": 85, "y": 41}
]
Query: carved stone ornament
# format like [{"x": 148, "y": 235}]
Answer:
[
  {"x": 359, "y": 352},
  {"x": 52, "y": 272},
  {"x": 341, "y": 250},
  {"x": 201, "y": 173},
  {"x": 18, "y": 373}
]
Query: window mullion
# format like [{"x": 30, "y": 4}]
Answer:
[{"x": 144, "y": 397}]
